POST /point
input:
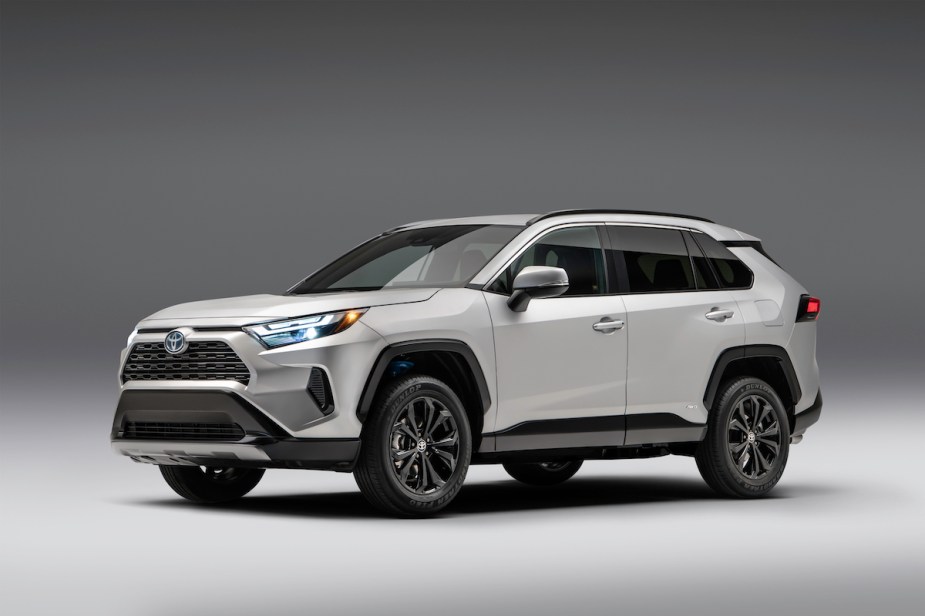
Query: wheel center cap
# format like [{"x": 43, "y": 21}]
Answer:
[
  {"x": 751, "y": 437},
  {"x": 422, "y": 445}
]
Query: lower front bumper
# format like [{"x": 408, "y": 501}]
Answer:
[
  {"x": 253, "y": 452},
  {"x": 218, "y": 429}
]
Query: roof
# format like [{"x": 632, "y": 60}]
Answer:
[
  {"x": 720, "y": 232},
  {"x": 518, "y": 220},
  {"x": 558, "y": 213}
]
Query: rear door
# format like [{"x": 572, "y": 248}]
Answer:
[{"x": 678, "y": 322}]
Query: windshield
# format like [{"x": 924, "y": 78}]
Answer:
[{"x": 426, "y": 257}]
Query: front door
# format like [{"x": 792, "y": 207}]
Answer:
[{"x": 561, "y": 380}]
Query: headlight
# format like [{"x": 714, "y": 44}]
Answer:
[{"x": 281, "y": 333}]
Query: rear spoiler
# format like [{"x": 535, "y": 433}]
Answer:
[{"x": 756, "y": 244}]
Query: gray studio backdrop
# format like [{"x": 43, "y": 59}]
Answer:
[
  {"x": 156, "y": 153},
  {"x": 160, "y": 153}
]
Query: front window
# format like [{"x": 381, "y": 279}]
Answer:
[
  {"x": 577, "y": 250},
  {"x": 442, "y": 257}
]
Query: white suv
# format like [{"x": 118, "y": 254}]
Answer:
[{"x": 532, "y": 341}]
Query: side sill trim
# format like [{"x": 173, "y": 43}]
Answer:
[
  {"x": 651, "y": 428},
  {"x": 584, "y": 432},
  {"x": 558, "y": 434}
]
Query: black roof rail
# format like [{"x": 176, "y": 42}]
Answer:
[{"x": 599, "y": 211}]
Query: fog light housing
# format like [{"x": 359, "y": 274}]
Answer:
[{"x": 319, "y": 388}]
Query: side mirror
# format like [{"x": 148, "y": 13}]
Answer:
[{"x": 536, "y": 282}]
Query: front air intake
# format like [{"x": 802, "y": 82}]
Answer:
[{"x": 164, "y": 431}]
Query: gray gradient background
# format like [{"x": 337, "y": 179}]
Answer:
[{"x": 159, "y": 153}]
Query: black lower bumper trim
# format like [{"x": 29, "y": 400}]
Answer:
[
  {"x": 340, "y": 454},
  {"x": 200, "y": 407},
  {"x": 250, "y": 452},
  {"x": 257, "y": 441},
  {"x": 808, "y": 417}
]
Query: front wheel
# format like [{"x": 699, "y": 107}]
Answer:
[
  {"x": 543, "y": 473},
  {"x": 205, "y": 484},
  {"x": 416, "y": 448},
  {"x": 748, "y": 440}
]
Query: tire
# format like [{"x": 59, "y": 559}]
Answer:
[
  {"x": 747, "y": 443},
  {"x": 416, "y": 448},
  {"x": 543, "y": 473},
  {"x": 211, "y": 485}
]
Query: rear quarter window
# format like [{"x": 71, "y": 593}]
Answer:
[{"x": 732, "y": 273}]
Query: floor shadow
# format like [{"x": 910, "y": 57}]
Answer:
[
  {"x": 483, "y": 498},
  {"x": 340, "y": 505},
  {"x": 502, "y": 496}
]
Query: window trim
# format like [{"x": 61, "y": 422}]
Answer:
[
  {"x": 601, "y": 238},
  {"x": 688, "y": 236},
  {"x": 616, "y": 276}
]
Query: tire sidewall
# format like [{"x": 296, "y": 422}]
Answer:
[
  {"x": 392, "y": 405},
  {"x": 730, "y": 399}
]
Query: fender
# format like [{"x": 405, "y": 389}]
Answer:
[
  {"x": 756, "y": 350},
  {"x": 392, "y": 351}
]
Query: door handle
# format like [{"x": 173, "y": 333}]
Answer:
[
  {"x": 718, "y": 314},
  {"x": 607, "y": 326}
]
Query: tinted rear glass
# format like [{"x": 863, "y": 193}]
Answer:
[{"x": 732, "y": 273}]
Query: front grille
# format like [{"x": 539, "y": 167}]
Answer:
[
  {"x": 202, "y": 361},
  {"x": 152, "y": 430}
]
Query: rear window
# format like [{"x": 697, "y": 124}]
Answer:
[{"x": 656, "y": 259}]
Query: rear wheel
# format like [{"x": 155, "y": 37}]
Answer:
[
  {"x": 416, "y": 448},
  {"x": 206, "y": 484},
  {"x": 543, "y": 473},
  {"x": 748, "y": 440}
]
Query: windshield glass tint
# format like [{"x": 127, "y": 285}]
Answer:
[{"x": 427, "y": 257}]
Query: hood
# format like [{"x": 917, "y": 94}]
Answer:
[{"x": 236, "y": 311}]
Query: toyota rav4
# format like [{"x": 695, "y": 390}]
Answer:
[{"x": 535, "y": 342}]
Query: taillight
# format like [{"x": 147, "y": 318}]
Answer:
[{"x": 809, "y": 308}]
